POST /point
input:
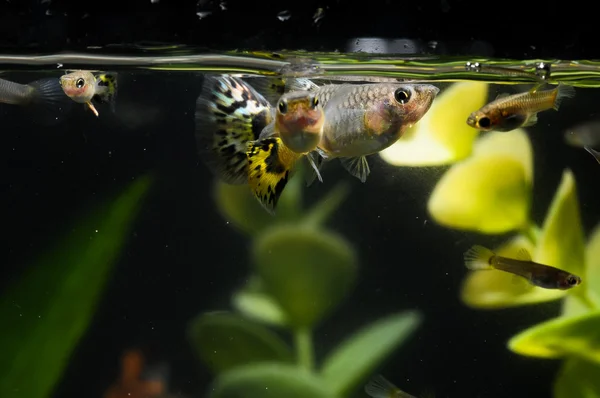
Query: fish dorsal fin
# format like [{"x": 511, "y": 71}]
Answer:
[
  {"x": 270, "y": 164},
  {"x": 358, "y": 167},
  {"x": 502, "y": 95},
  {"x": 531, "y": 121},
  {"x": 523, "y": 255}
]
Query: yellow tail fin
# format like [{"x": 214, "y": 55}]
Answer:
[
  {"x": 269, "y": 166},
  {"x": 108, "y": 83}
]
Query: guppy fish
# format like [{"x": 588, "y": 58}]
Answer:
[
  {"x": 83, "y": 86},
  {"x": 586, "y": 136},
  {"x": 43, "y": 98},
  {"x": 231, "y": 117},
  {"x": 544, "y": 276},
  {"x": 509, "y": 112},
  {"x": 380, "y": 387}
]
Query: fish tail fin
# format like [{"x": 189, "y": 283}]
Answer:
[
  {"x": 478, "y": 258},
  {"x": 108, "y": 83},
  {"x": 593, "y": 152},
  {"x": 270, "y": 163},
  {"x": 49, "y": 104},
  {"x": 563, "y": 91},
  {"x": 229, "y": 115},
  {"x": 380, "y": 387}
]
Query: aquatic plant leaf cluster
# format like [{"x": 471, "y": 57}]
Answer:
[
  {"x": 50, "y": 307},
  {"x": 301, "y": 272},
  {"x": 490, "y": 192}
]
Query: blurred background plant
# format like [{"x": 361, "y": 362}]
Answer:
[
  {"x": 488, "y": 190},
  {"x": 49, "y": 308},
  {"x": 301, "y": 272}
]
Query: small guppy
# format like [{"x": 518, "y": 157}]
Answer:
[
  {"x": 380, "y": 387},
  {"x": 233, "y": 119},
  {"x": 509, "y": 112},
  {"x": 43, "y": 99},
  {"x": 541, "y": 275},
  {"x": 83, "y": 87}
]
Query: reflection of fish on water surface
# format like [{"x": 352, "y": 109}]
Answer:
[
  {"x": 359, "y": 120},
  {"x": 43, "y": 99}
]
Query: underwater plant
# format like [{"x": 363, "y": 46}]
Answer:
[
  {"x": 301, "y": 272},
  {"x": 51, "y": 306},
  {"x": 490, "y": 192}
]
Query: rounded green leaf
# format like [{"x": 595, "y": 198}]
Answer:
[
  {"x": 578, "y": 336},
  {"x": 308, "y": 271},
  {"x": 268, "y": 380},
  {"x": 255, "y": 303},
  {"x": 592, "y": 258},
  {"x": 578, "y": 379},
  {"x": 496, "y": 289},
  {"x": 489, "y": 195},
  {"x": 239, "y": 207},
  {"x": 442, "y": 136},
  {"x": 224, "y": 341},
  {"x": 354, "y": 359},
  {"x": 561, "y": 243}
]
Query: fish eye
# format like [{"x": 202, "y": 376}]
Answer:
[
  {"x": 571, "y": 280},
  {"x": 484, "y": 122},
  {"x": 79, "y": 82},
  {"x": 315, "y": 102},
  {"x": 282, "y": 107},
  {"x": 401, "y": 95}
]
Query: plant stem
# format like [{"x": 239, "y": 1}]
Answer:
[
  {"x": 334, "y": 198},
  {"x": 304, "y": 348}
]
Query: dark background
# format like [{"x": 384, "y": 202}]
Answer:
[{"x": 166, "y": 275}]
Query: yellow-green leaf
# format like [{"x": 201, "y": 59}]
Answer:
[
  {"x": 239, "y": 207},
  {"x": 574, "y": 336},
  {"x": 269, "y": 380},
  {"x": 254, "y": 302},
  {"x": 354, "y": 359},
  {"x": 489, "y": 195},
  {"x": 497, "y": 289},
  {"x": 592, "y": 274},
  {"x": 46, "y": 312},
  {"x": 442, "y": 136},
  {"x": 307, "y": 270},
  {"x": 224, "y": 341},
  {"x": 561, "y": 243},
  {"x": 578, "y": 379}
]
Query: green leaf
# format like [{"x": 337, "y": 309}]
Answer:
[
  {"x": 496, "y": 289},
  {"x": 308, "y": 271},
  {"x": 562, "y": 243},
  {"x": 254, "y": 302},
  {"x": 356, "y": 358},
  {"x": 224, "y": 341},
  {"x": 269, "y": 380},
  {"x": 578, "y": 379},
  {"x": 578, "y": 336},
  {"x": 49, "y": 309},
  {"x": 491, "y": 191},
  {"x": 592, "y": 274},
  {"x": 317, "y": 215},
  {"x": 442, "y": 136},
  {"x": 238, "y": 206}
]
